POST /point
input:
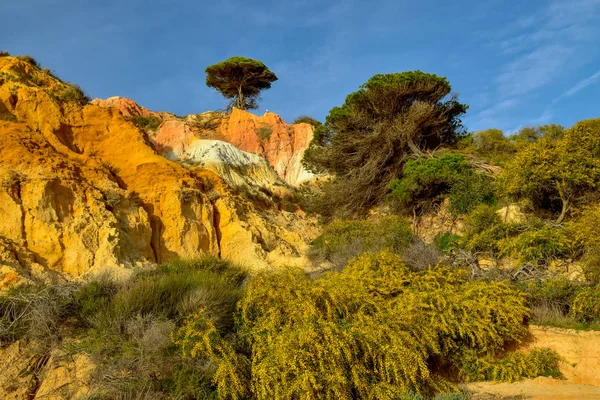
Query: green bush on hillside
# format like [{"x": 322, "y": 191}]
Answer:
[
  {"x": 29, "y": 59},
  {"x": 446, "y": 241},
  {"x": 373, "y": 330},
  {"x": 146, "y": 123},
  {"x": 4, "y": 53},
  {"x": 586, "y": 305},
  {"x": 585, "y": 232},
  {"x": 474, "y": 189},
  {"x": 482, "y": 230},
  {"x": 264, "y": 131},
  {"x": 344, "y": 240},
  {"x": 305, "y": 119},
  {"x": 70, "y": 93},
  {"x": 538, "y": 245},
  {"x": 366, "y": 142},
  {"x": 35, "y": 312},
  {"x": 429, "y": 180},
  {"x": 530, "y": 242},
  {"x": 512, "y": 367},
  {"x": 559, "y": 175},
  {"x": 491, "y": 145},
  {"x": 550, "y": 300}
]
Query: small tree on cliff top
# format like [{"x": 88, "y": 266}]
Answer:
[{"x": 241, "y": 80}]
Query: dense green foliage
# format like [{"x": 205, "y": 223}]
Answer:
[
  {"x": 562, "y": 171},
  {"x": 343, "y": 240},
  {"x": 365, "y": 142},
  {"x": 531, "y": 242},
  {"x": 264, "y": 132},
  {"x": 490, "y": 145},
  {"x": 586, "y": 305},
  {"x": 428, "y": 180},
  {"x": 585, "y": 232},
  {"x": 241, "y": 80}
]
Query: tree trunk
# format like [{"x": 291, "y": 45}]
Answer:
[
  {"x": 240, "y": 99},
  {"x": 565, "y": 203}
]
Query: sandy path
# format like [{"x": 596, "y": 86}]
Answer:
[
  {"x": 538, "y": 389},
  {"x": 581, "y": 368}
]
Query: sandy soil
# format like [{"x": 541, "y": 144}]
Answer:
[
  {"x": 581, "y": 368},
  {"x": 580, "y": 350},
  {"x": 537, "y": 389}
]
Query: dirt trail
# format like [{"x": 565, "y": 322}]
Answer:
[
  {"x": 581, "y": 368},
  {"x": 538, "y": 389}
]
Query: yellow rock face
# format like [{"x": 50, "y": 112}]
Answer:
[
  {"x": 28, "y": 372},
  {"x": 81, "y": 191}
]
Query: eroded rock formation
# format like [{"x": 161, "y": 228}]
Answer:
[
  {"x": 82, "y": 191},
  {"x": 281, "y": 144}
]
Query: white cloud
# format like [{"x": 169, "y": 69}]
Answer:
[
  {"x": 591, "y": 80},
  {"x": 533, "y": 70},
  {"x": 542, "y": 48}
]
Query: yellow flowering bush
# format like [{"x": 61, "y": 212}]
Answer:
[
  {"x": 375, "y": 330},
  {"x": 586, "y": 305}
]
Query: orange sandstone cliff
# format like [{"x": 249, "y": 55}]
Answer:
[
  {"x": 128, "y": 108},
  {"x": 282, "y": 144},
  {"x": 83, "y": 191}
]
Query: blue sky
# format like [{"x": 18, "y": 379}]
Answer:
[{"x": 515, "y": 63}]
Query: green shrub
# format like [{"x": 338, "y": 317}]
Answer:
[
  {"x": 512, "y": 367},
  {"x": 473, "y": 189},
  {"x": 35, "y": 312},
  {"x": 177, "y": 289},
  {"x": 373, "y": 330},
  {"x": 586, "y": 305},
  {"x": 148, "y": 123},
  {"x": 482, "y": 229},
  {"x": 550, "y": 300},
  {"x": 129, "y": 334},
  {"x": 264, "y": 132},
  {"x": 344, "y": 240},
  {"x": 37, "y": 80},
  {"x": 491, "y": 145},
  {"x": 585, "y": 232},
  {"x": 305, "y": 119},
  {"x": 446, "y": 241},
  {"x": 4, "y": 53},
  {"x": 30, "y": 60},
  {"x": 538, "y": 245},
  {"x": 429, "y": 180},
  {"x": 71, "y": 93}
]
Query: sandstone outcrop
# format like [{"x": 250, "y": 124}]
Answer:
[
  {"x": 83, "y": 191},
  {"x": 281, "y": 144},
  {"x": 32, "y": 372},
  {"x": 127, "y": 107}
]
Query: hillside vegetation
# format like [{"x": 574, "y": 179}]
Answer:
[{"x": 384, "y": 313}]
